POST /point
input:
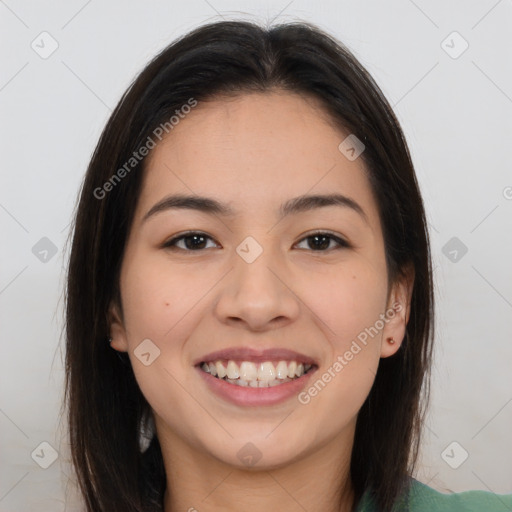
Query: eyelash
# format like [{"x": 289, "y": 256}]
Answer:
[{"x": 171, "y": 244}]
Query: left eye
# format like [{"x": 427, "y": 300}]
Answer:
[
  {"x": 321, "y": 241},
  {"x": 318, "y": 242}
]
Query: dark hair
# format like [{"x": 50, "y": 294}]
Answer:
[{"x": 105, "y": 404}]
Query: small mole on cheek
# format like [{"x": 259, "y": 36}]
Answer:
[{"x": 166, "y": 303}]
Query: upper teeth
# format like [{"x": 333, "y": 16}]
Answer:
[{"x": 249, "y": 371}]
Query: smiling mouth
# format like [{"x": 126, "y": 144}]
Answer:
[{"x": 256, "y": 375}]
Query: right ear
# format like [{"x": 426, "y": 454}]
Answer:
[{"x": 117, "y": 331}]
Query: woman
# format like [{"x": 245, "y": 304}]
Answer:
[{"x": 249, "y": 296}]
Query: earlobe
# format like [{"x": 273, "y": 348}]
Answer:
[
  {"x": 389, "y": 347},
  {"x": 117, "y": 336},
  {"x": 397, "y": 314}
]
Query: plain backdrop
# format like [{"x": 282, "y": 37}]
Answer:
[{"x": 452, "y": 93}]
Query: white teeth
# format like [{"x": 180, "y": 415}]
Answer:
[
  {"x": 232, "y": 370},
  {"x": 291, "y": 369},
  {"x": 266, "y": 371},
  {"x": 221, "y": 371},
  {"x": 256, "y": 375},
  {"x": 248, "y": 371},
  {"x": 282, "y": 370},
  {"x": 257, "y": 383}
]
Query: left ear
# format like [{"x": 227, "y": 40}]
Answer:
[{"x": 397, "y": 312}]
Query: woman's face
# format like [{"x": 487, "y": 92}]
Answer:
[{"x": 254, "y": 286}]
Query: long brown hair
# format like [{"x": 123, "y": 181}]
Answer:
[{"x": 105, "y": 404}]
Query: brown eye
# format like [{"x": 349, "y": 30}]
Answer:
[
  {"x": 321, "y": 242},
  {"x": 193, "y": 241},
  {"x": 196, "y": 241}
]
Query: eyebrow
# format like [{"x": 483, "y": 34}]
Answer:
[{"x": 292, "y": 206}]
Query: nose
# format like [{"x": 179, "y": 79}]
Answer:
[{"x": 257, "y": 295}]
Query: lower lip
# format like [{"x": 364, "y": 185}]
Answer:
[{"x": 253, "y": 397}]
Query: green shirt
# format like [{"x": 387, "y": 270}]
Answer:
[{"x": 426, "y": 499}]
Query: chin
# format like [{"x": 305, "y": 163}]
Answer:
[{"x": 258, "y": 453}]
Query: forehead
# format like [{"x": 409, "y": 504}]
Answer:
[{"x": 253, "y": 151}]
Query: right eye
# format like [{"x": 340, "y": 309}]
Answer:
[{"x": 193, "y": 241}]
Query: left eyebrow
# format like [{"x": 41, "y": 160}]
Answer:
[
  {"x": 292, "y": 206},
  {"x": 305, "y": 203}
]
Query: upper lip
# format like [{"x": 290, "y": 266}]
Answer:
[{"x": 256, "y": 355}]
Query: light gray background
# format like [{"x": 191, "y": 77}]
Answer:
[{"x": 457, "y": 116}]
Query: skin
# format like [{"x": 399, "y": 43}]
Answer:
[{"x": 292, "y": 296}]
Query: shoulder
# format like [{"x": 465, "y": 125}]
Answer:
[{"x": 423, "y": 498}]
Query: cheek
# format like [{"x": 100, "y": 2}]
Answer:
[
  {"x": 356, "y": 299},
  {"x": 159, "y": 306},
  {"x": 156, "y": 300},
  {"x": 337, "y": 393},
  {"x": 351, "y": 308},
  {"x": 347, "y": 299},
  {"x": 350, "y": 301},
  {"x": 162, "y": 306}
]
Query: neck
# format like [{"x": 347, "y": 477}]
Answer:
[{"x": 319, "y": 481}]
